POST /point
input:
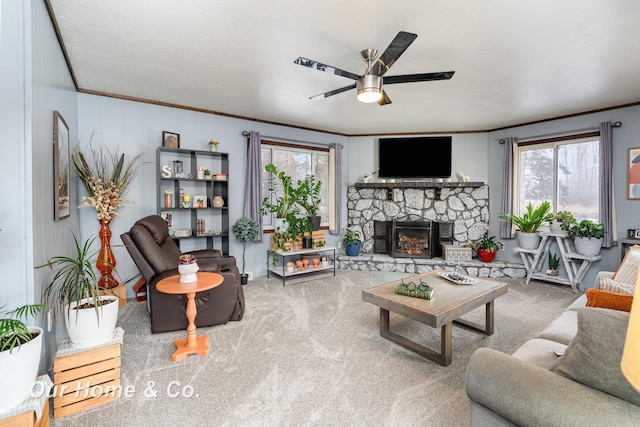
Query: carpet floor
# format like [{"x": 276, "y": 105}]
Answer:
[{"x": 310, "y": 354}]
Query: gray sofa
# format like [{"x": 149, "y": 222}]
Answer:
[{"x": 568, "y": 375}]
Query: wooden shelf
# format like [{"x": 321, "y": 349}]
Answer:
[{"x": 438, "y": 186}]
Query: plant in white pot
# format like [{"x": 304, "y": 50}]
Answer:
[
  {"x": 90, "y": 318},
  {"x": 587, "y": 236},
  {"x": 529, "y": 223},
  {"x": 555, "y": 226},
  {"x": 246, "y": 230},
  {"x": 20, "y": 349}
]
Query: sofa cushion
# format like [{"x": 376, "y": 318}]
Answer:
[
  {"x": 594, "y": 355},
  {"x": 613, "y": 285},
  {"x": 606, "y": 299},
  {"x": 627, "y": 271},
  {"x": 540, "y": 352},
  {"x": 562, "y": 329}
]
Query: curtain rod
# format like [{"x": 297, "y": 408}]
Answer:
[
  {"x": 247, "y": 133},
  {"x": 550, "y": 135}
]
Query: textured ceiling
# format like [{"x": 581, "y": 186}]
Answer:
[{"x": 515, "y": 61}]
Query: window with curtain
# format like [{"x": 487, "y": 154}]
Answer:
[
  {"x": 565, "y": 171},
  {"x": 297, "y": 161}
]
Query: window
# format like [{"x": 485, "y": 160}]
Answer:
[
  {"x": 564, "y": 171},
  {"x": 297, "y": 161}
]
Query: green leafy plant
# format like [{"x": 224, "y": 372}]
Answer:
[
  {"x": 564, "y": 216},
  {"x": 532, "y": 219},
  {"x": 584, "y": 228},
  {"x": 488, "y": 243},
  {"x": 246, "y": 230},
  {"x": 554, "y": 261},
  {"x": 74, "y": 279},
  {"x": 207, "y": 172},
  {"x": 318, "y": 243},
  {"x": 283, "y": 197},
  {"x": 309, "y": 195},
  {"x": 13, "y": 331},
  {"x": 351, "y": 236}
]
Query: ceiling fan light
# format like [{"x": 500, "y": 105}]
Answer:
[{"x": 369, "y": 88}]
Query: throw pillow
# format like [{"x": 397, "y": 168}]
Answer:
[
  {"x": 627, "y": 271},
  {"x": 593, "y": 356},
  {"x": 611, "y": 285},
  {"x": 606, "y": 299}
]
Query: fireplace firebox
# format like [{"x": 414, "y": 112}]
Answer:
[{"x": 411, "y": 239}]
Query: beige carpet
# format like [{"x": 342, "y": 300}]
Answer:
[{"x": 310, "y": 354}]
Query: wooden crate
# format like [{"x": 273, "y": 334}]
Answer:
[
  {"x": 297, "y": 244},
  {"x": 86, "y": 379},
  {"x": 28, "y": 418},
  {"x": 120, "y": 291}
]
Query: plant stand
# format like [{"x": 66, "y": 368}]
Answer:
[
  {"x": 283, "y": 257},
  {"x": 576, "y": 265}
]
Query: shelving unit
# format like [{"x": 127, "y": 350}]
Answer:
[
  {"x": 575, "y": 264},
  {"x": 283, "y": 257},
  {"x": 216, "y": 219}
]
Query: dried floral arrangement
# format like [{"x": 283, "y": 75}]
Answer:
[{"x": 106, "y": 179}]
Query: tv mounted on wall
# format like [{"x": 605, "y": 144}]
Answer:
[{"x": 415, "y": 157}]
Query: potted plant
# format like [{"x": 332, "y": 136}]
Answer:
[
  {"x": 587, "y": 236},
  {"x": 282, "y": 199},
  {"x": 246, "y": 230},
  {"x": 352, "y": 241},
  {"x": 556, "y": 224},
  {"x": 90, "y": 318},
  {"x": 309, "y": 199},
  {"x": 20, "y": 348},
  {"x": 207, "y": 174},
  {"x": 486, "y": 247},
  {"x": 529, "y": 223},
  {"x": 554, "y": 263}
]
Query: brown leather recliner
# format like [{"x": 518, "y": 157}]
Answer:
[{"x": 156, "y": 256}]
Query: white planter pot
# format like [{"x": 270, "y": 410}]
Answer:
[
  {"x": 86, "y": 328},
  {"x": 280, "y": 223},
  {"x": 528, "y": 240},
  {"x": 18, "y": 371},
  {"x": 555, "y": 226},
  {"x": 587, "y": 246}
]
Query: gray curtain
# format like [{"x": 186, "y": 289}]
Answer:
[
  {"x": 607, "y": 202},
  {"x": 253, "y": 182},
  {"x": 507, "y": 187},
  {"x": 336, "y": 151}
]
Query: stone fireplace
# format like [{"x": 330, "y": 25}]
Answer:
[
  {"x": 462, "y": 206},
  {"x": 411, "y": 239}
]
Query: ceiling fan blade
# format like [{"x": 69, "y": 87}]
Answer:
[
  {"x": 384, "y": 100},
  {"x": 310, "y": 63},
  {"x": 334, "y": 92},
  {"x": 424, "y": 77},
  {"x": 397, "y": 47}
]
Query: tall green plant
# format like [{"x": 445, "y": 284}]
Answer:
[
  {"x": 283, "y": 197},
  {"x": 246, "y": 230},
  {"x": 309, "y": 194},
  {"x": 532, "y": 219}
]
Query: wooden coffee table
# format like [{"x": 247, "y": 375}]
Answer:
[
  {"x": 172, "y": 285},
  {"x": 450, "y": 302}
]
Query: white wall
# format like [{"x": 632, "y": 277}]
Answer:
[{"x": 134, "y": 128}]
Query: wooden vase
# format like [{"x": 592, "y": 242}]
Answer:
[{"x": 106, "y": 261}]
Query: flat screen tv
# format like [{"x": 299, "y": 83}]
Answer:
[{"x": 415, "y": 157}]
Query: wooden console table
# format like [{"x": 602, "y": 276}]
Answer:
[{"x": 575, "y": 264}]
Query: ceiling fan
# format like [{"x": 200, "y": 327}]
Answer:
[{"x": 369, "y": 85}]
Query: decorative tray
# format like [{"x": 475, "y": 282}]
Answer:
[{"x": 458, "y": 279}]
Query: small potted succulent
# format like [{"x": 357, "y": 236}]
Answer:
[
  {"x": 486, "y": 247},
  {"x": 554, "y": 263},
  {"x": 207, "y": 174}
]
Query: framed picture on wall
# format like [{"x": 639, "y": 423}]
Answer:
[
  {"x": 633, "y": 180},
  {"x": 170, "y": 139},
  {"x": 61, "y": 171}
]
